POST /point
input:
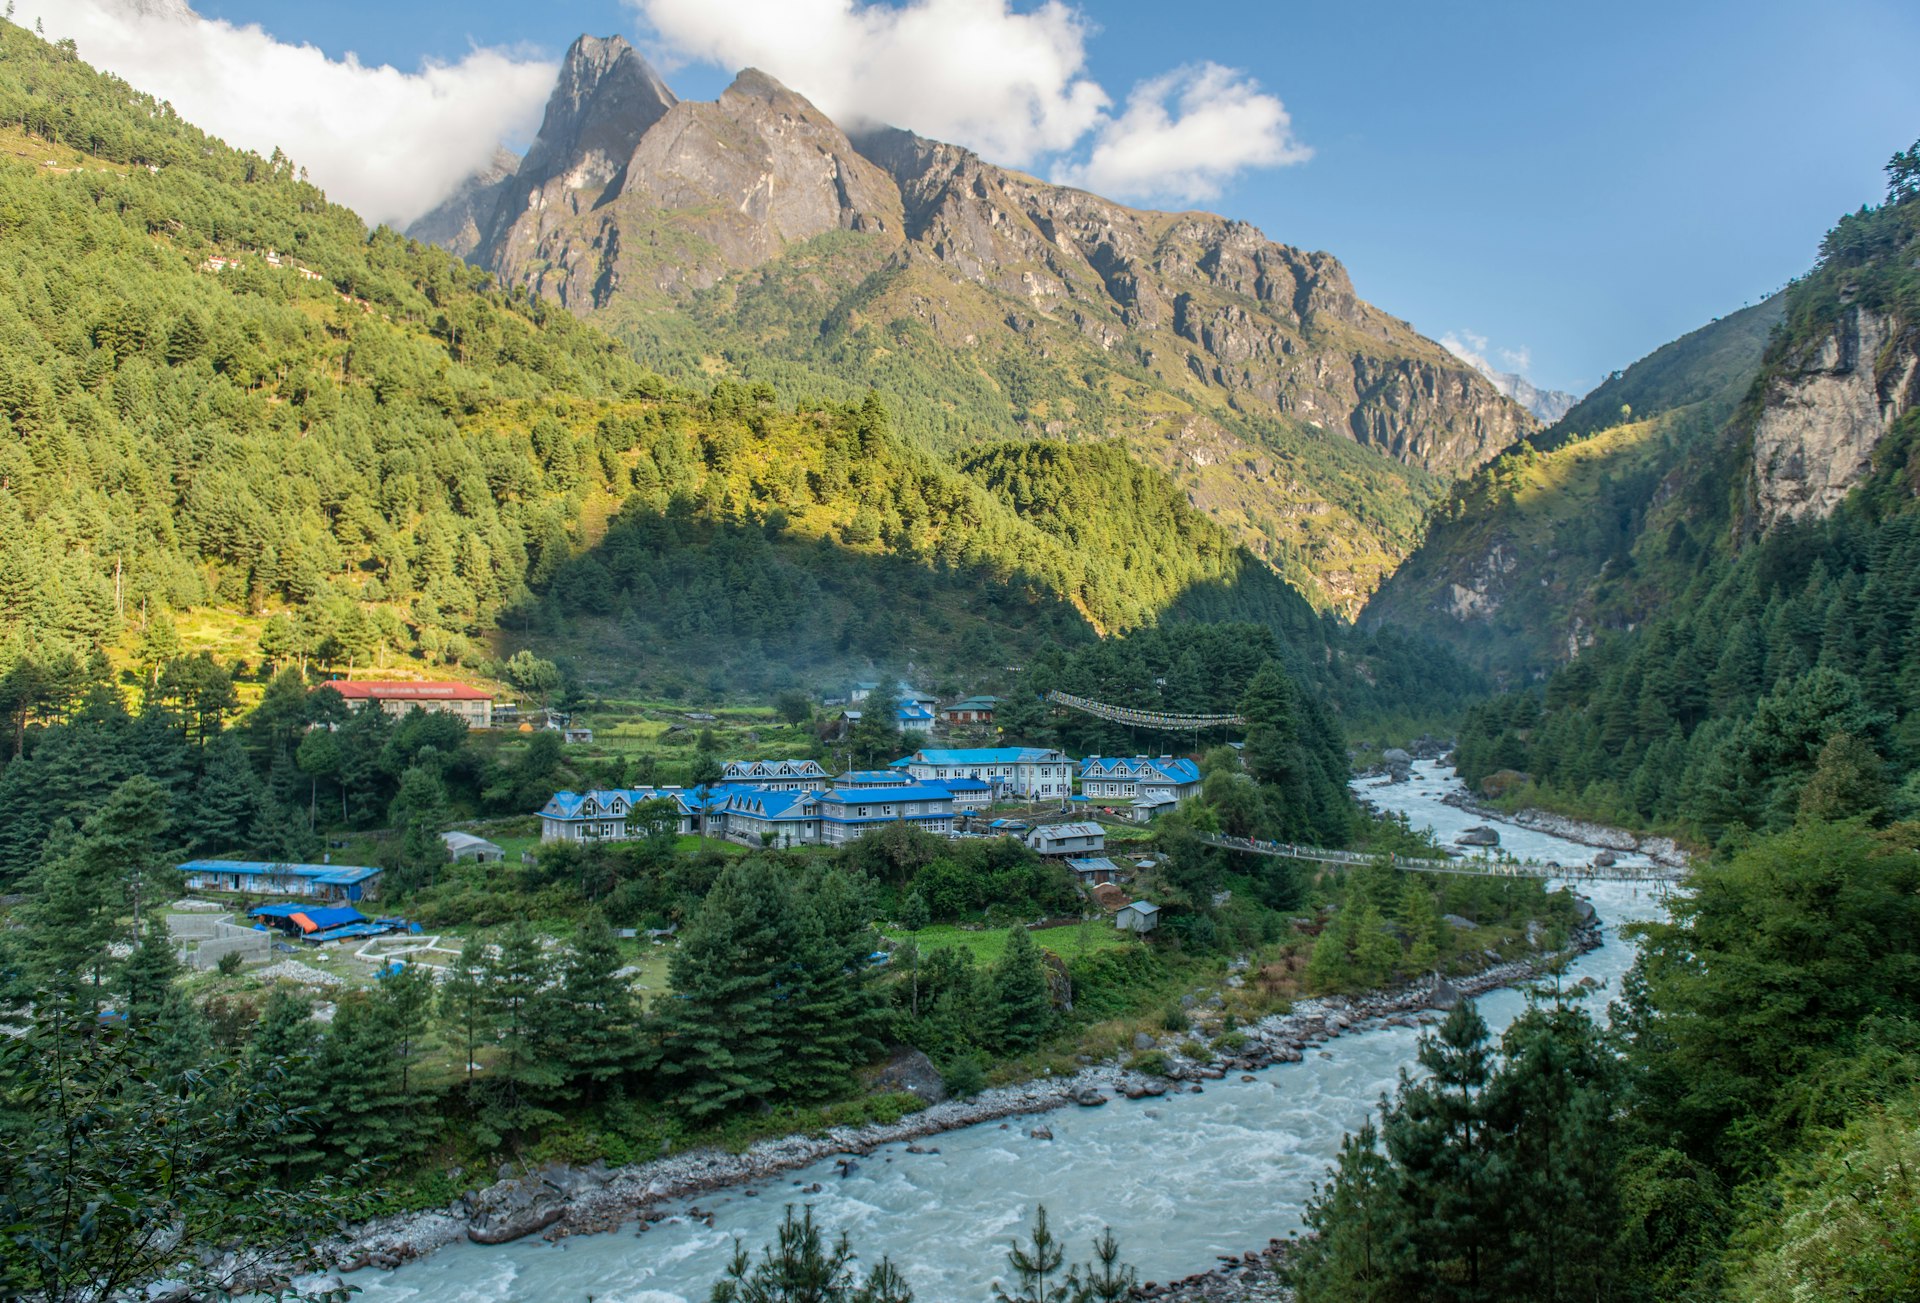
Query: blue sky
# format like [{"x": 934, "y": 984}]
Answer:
[{"x": 1574, "y": 184}]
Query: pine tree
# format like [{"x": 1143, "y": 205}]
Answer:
[
  {"x": 227, "y": 797},
  {"x": 464, "y": 1003},
  {"x": 798, "y": 1267},
  {"x": 157, "y": 1009},
  {"x": 1036, "y": 1267},
  {"x": 724, "y": 1027},
  {"x": 1437, "y": 1135},
  {"x": 419, "y": 812},
  {"x": 405, "y": 1002},
  {"x": 595, "y": 1014},
  {"x": 1019, "y": 1001},
  {"x": 528, "y": 1071},
  {"x": 1355, "y": 1251}
]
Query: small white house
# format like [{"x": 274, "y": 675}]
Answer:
[
  {"x": 1068, "y": 839},
  {"x": 465, "y": 846},
  {"x": 1140, "y": 916}
]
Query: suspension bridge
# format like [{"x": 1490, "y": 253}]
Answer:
[
  {"x": 1163, "y": 721},
  {"x": 1484, "y": 867}
]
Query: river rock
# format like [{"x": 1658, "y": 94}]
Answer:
[
  {"x": 1089, "y": 1097},
  {"x": 1605, "y": 860},
  {"x": 1041, "y": 1133},
  {"x": 1479, "y": 835},
  {"x": 513, "y": 1225},
  {"x": 1455, "y": 921},
  {"x": 1445, "y": 994},
  {"x": 1142, "y": 1041}
]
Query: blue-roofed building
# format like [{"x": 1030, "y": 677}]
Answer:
[
  {"x": 969, "y": 794},
  {"x": 315, "y": 881},
  {"x": 1156, "y": 780},
  {"x": 776, "y": 775},
  {"x": 914, "y": 718},
  {"x": 1033, "y": 772},
  {"x": 867, "y": 778},
  {"x": 1068, "y": 840},
  {"x": 601, "y": 815},
  {"x": 761, "y": 817},
  {"x": 847, "y": 815}
]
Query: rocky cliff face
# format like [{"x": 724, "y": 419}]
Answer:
[
  {"x": 756, "y": 225},
  {"x": 462, "y": 220},
  {"x": 629, "y": 194},
  {"x": 1826, "y": 411}
]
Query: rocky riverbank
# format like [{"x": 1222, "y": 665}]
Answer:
[
  {"x": 1253, "y": 1277},
  {"x": 557, "y": 1200},
  {"x": 1661, "y": 850}
]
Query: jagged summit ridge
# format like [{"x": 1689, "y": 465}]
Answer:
[{"x": 1009, "y": 306}]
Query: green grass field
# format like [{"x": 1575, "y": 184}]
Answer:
[{"x": 987, "y": 944}]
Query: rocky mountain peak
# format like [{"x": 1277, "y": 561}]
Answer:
[{"x": 606, "y": 98}]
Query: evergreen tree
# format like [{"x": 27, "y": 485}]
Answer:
[
  {"x": 798, "y": 1267},
  {"x": 724, "y": 1030},
  {"x": 528, "y": 1072},
  {"x": 595, "y": 1015},
  {"x": 419, "y": 813},
  {"x": 1036, "y": 1267},
  {"x": 1355, "y": 1249},
  {"x": 404, "y": 999},
  {"x": 176, "y": 1032},
  {"x": 1020, "y": 1002},
  {"x": 227, "y": 797},
  {"x": 1437, "y": 1136},
  {"x": 464, "y": 1001}
]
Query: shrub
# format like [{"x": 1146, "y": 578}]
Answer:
[
  {"x": 1175, "y": 1019},
  {"x": 1151, "y": 1062},
  {"x": 229, "y": 963},
  {"x": 964, "y": 1077}
]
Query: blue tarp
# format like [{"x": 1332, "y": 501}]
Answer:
[
  {"x": 320, "y": 920},
  {"x": 274, "y": 911},
  {"x": 348, "y": 930}
]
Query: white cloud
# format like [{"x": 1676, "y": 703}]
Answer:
[
  {"x": 972, "y": 71},
  {"x": 1012, "y": 85},
  {"x": 1469, "y": 348},
  {"x": 390, "y": 144},
  {"x": 1187, "y": 134}
]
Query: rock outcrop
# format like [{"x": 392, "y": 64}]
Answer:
[
  {"x": 632, "y": 202},
  {"x": 1826, "y": 413}
]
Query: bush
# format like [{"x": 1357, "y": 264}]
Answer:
[
  {"x": 229, "y": 963},
  {"x": 964, "y": 1077},
  {"x": 1175, "y": 1019},
  {"x": 1152, "y": 1062},
  {"x": 1230, "y": 1042}
]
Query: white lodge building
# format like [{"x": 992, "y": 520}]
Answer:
[
  {"x": 1018, "y": 771},
  {"x": 601, "y": 815},
  {"x": 776, "y": 775}
]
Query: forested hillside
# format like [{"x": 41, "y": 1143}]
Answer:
[
  {"x": 1569, "y": 534},
  {"x": 1784, "y": 679},
  {"x": 224, "y": 396}
]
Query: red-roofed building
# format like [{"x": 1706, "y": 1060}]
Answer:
[{"x": 397, "y": 698}]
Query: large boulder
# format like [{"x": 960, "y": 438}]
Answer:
[
  {"x": 910, "y": 1070},
  {"x": 1478, "y": 836}
]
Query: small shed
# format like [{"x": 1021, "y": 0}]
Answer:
[
  {"x": 466, "y": 846},
  {"x": 1140, "y": 916},
  {"x": 1093, "y": 869}
]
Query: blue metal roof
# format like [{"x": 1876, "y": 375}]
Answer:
[
  {"x": 870, "y": 795},
  {"x": 333, "y": 875},
  {"x": 984, "y": 756},
  {"x": 961, "y": 784},
  {"x": 1093, "y": 864},
  {"x": 1144, "y": 768}
]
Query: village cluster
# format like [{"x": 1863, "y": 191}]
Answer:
[{"x": 947, "y": 792}]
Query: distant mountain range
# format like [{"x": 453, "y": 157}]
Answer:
[
  {"x": 753, "y": 235},
  {"x": 1546, "y": 405}
]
